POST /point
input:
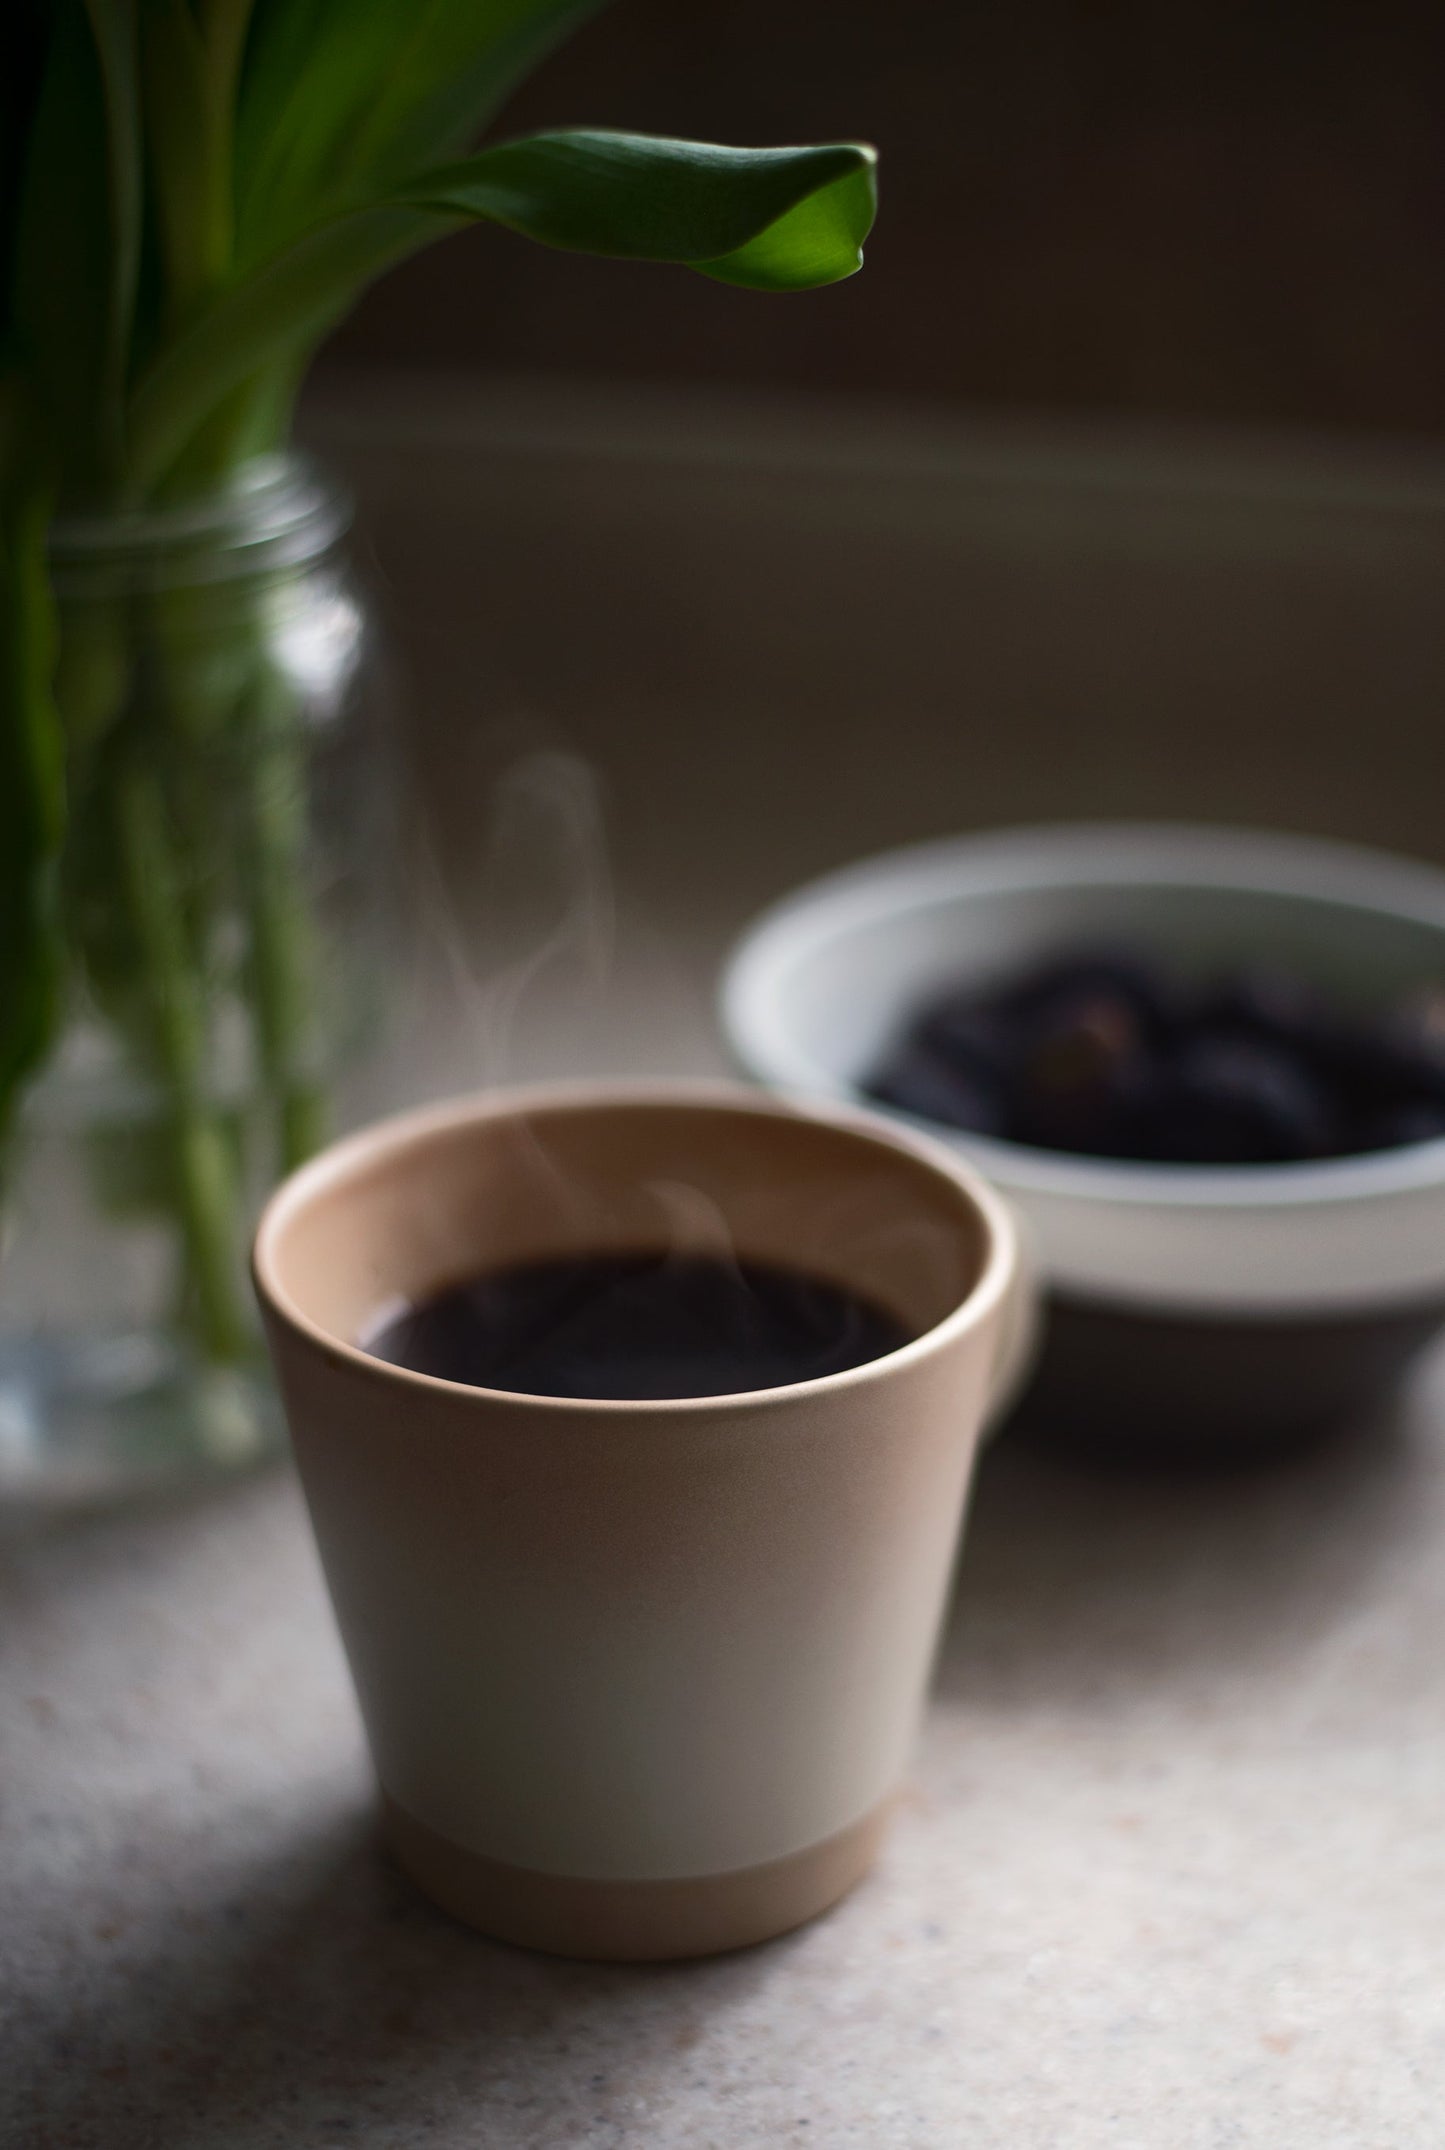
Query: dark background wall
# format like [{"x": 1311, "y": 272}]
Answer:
[{"x": 1189, "y": 208}]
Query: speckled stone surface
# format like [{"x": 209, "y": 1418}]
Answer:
[{"x": 1169, "y": 1872}]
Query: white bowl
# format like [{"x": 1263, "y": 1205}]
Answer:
[{"x": 819, "y": 986}]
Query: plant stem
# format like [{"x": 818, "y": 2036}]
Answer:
[
  {"x": 205, "y": 1175},
  {"x": 283, "y": 953}
]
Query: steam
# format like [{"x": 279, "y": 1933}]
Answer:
[
  {"x": 537, "y": 935},
  {"x": 543, "y": 897},
  {"x": 693, "y": 1227}
]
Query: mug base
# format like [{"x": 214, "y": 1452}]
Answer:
[{"x": 633, "y": 1921}]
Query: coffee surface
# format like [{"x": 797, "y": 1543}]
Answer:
[{"x": 637, "y": 1326}]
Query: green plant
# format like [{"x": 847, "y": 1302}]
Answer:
[{"x": 192, "y": 193}]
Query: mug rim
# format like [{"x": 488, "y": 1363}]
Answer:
[{"x": 397, "y": 1131}]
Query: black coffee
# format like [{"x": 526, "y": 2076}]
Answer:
[{"x": 637, "y": 1326}]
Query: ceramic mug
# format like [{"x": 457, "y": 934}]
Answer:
[{"x": 640, "y": 1679}]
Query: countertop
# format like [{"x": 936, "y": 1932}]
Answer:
[
  {"x": 1169, "y": 1869},
  {"x": 1168, "y": 1874}
]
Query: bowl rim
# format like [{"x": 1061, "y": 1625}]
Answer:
[{"x": 1059, "y": 855}]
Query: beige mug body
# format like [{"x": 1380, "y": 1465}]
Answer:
[{"x": 640, "y": 1679}]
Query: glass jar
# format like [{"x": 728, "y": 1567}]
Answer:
[{"x": 225, "y": 846}]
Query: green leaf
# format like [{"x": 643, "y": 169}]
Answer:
[
  {"x": 448, "y": 81},
  {"x": 283, "y": 307},
  {"x": 778, "y": 219},
  {"x": 224, "y": 28},
  {"x": 342, "y": 97},
  {"x": 113, "y": 26},
  {"x": 79, "y": 238},
  {"x": 190, "y": 181},
  {"x": 819, "y": 241},
  {"x": 24, "y": 32},
  {"x": 32, "y": 794},
  {"x": 191, "y": 60}
]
